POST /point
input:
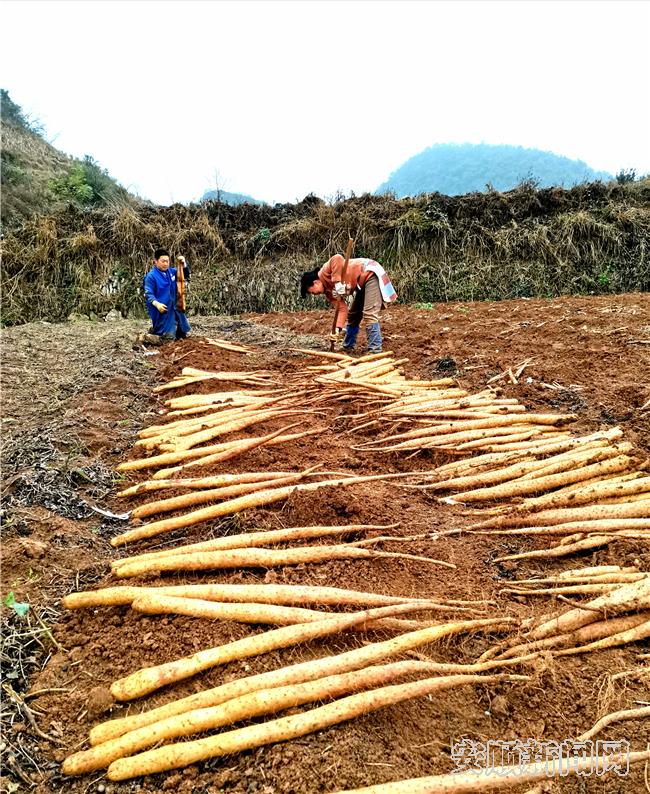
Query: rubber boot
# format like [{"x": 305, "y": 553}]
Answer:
[
  {"x": 373, "y": 333},
  {"x": 351, "y": 333}
]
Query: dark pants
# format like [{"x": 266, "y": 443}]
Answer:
[
  {"x": 366, "y": 304},
  {"x": 171, "y": 324}
]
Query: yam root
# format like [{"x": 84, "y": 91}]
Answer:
[
  {"x": 306, "y": 671},
  {"x": 260, "y": 558},
  {"x": 265, "y": 537},
  {"x": 257, "y": 593},
  {"x": 237, "y": 505},
  {"x": 633, "y": 597},
  {"x": 254, "y": 704},
  {"x": 149, "y": 679},
  {"x": 174, "y": 756},
  {"x": 504, "y": 777}
]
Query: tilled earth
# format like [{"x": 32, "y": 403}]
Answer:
[{"x": 74, "y": 397}]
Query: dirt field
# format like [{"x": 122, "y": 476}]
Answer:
[{"x": 74, "y": 398}]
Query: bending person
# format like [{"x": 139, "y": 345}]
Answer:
[{"x": 368, "y": 283}]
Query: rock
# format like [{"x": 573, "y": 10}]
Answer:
[
  {"x": 33, "y": 548},
  {"x": 113, "y": 316},
  {"x": 499, "y": 706},
  {"x": 446, "y": 364},
  {"x": 99, "y": 701}
]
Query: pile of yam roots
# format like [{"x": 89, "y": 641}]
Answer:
[{"x": 521, "y": 473}]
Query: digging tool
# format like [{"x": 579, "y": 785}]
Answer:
[
  {"x": 344, "y": 271},
  {"x": 180, "y": 283}
]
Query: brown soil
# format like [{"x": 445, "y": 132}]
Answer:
[{"x": 78, "y": 394}]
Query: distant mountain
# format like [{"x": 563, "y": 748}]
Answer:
[
  {"x": 455, "y": 169},
  {"x": 229, "y": 198},
  {"x": 38, "y": 179}
]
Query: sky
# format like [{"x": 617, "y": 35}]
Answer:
[{"x": 282, "y": 98}]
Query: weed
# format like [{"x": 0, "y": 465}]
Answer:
[{"x": 20, "y": 608}]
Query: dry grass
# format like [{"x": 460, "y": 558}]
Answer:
[{"x": 590, "y": 239}]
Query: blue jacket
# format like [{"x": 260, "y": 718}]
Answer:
[{"x": 161, "y": 286}]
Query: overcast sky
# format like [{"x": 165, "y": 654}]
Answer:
[{"x": 278, "y": 99}]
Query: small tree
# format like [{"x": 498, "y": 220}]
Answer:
[
  {"x": 626, "y": 175},
  {"x": 98, "y": 180}
]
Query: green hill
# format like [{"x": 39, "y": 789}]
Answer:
[
  {"x": 38, "y": 179},
  {"x": 234, "y": 199},
  {"x": 455, "y": 169}
]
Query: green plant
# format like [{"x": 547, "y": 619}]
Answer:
[
  {"x": 104, "y": 189},
  {"x": 262, "y": 236},
  {"x": 20, "y": 608},
  {"x": 73, "y": 187}
]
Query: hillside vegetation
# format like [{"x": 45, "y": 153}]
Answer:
[
  {"x": 38, "y": 179},
  {"x": 230, "y": 198},
  {"x": 526, "y": 242},
  {"x": 455, "y": 169}
]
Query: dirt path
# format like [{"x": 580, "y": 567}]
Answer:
[{"x": 74, "y": 397}]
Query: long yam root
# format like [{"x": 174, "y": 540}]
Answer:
[
  {"x": 503, "y": 777},
  {"x": 254, "y": 704},
  {"x": 257, "y": 593},
  {"x": 149, "y": 679},
  {"x": 174, "y": 756},
  {"x": 261, "y": 558},
  {"x": 232, "y": 506},
  {"x": 307, "y": 671}
]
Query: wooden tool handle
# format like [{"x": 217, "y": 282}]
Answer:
[
  {"x": 348, "y": 254},
  {"x": 180, "y": 285},
  {"x": 344, "y": 272}
]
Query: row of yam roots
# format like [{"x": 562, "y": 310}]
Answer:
[{"x": 520, "y": 473}]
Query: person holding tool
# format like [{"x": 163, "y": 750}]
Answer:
[
  {"x": 164, "y": 291},
  {"x": 368, "y": 283}
]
